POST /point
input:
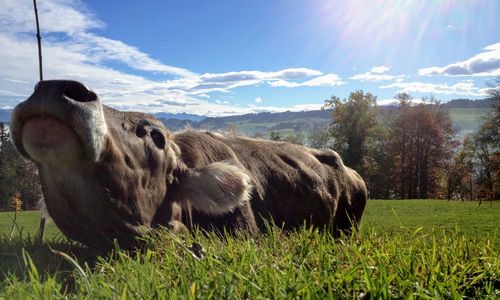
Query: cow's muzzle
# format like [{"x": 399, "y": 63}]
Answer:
[{"x": 60, "y": 117}]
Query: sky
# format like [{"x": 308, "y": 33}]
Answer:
[{"x": 232, "y": 57}]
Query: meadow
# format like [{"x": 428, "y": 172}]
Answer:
[{"x": 404, "y": 249}]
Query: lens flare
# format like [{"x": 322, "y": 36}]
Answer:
[{"x": 386, "y": 28}]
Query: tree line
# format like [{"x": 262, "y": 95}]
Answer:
[
  {"x": 19, "y": 181},
  {"x": 412, "y": 152}
]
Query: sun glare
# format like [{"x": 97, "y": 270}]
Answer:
[{"x": 390, "y": 25}]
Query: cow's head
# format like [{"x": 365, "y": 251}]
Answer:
[{"x": 108, "y": 174}]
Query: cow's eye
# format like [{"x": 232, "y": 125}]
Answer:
[
  {"x": 140, "y": 131},
  {"x": 158, "y": 138}
]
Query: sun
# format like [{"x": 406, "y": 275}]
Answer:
[{"x": 374, "y": 27}]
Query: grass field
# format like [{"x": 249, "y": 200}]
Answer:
[
  {"x": 468, "y": 120},
  {"x": 404, "y": 249}
]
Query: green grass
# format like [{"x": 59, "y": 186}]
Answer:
[
  {"x": 28, "y": 222},
  {"x": 469, "y": 218},
  {"x": 468, "y": 119},
  {"x": 249, "y": 128},
  {"x": 404, "y": 249}
]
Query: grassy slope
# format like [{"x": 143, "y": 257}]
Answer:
[
  {"x": 466, "y": 120},
  {"x": 455, "y": 253}
]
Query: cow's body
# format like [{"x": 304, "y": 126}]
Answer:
[
  {"x": 110, "y": 175},
  {"x": 292, "y": 185}
]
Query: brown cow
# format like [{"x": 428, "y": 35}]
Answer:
[{"x": 108, "y": 174}]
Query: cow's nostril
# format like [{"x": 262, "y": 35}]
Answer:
[
  {"x": 158, "y": 139},
  {"x": 140, "y": 131},
  {"x": 80, "y": 93}
]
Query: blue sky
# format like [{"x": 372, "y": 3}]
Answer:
[{"x": 232, "y": 57}]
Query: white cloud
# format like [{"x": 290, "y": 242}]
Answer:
[
  {"x": 296, "y": 73},
  {"x": 254, "y": 108},
  {"x": 56, "y": 16},
  {"x": 224, "y": 82},
  {"x": 221, "y": 102},
  {"x": 368, "y": 76},
  {"x": 258, "y": 100},
  {"x": 306, "y": 107},
  {"x": 380, "y": 69},
  {"x": 392, "y": 101},
  {"x": 376, "y": 74},
  {"x": 486, "y": 63},
  {"x": 100, "y": 49},
  {"x": 451, "y": 27},
  {"x": 120, "y": 81},
  {"x": 385, "y": 102},
  {"x": 465, "y": 88},
  {"x": 15, "y": 81},
  {"x": 72, "y": 51},
  {"x": 325, "y": 80},
  {"x": 9, "y": 93}
]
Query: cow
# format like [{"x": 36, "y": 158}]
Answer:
[{"x": 109, "y": 175}]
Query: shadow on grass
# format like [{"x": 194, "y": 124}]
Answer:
[{"x": 58, "y": 258}]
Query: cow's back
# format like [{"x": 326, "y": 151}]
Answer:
[{"x": 293, "y": 185}]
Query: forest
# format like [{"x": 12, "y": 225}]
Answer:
[{"x": 414, "y": 153}]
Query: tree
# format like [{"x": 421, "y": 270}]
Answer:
[
  {"x": 16, "y": 175},
  {"x": 320, "y": 139},
  {"x": 494, "y": 88},
  {"x": 232, "y": 130},
  {"x": 16, "y": 202},
  {"x": 379, "y": 162},
  {"x": 275, "y": 136},
  {"x": 353, "y": 122},
  {"x": 460, "y": 174},
  {"x": 422, "y": 139},
  {"x": 29, "y": 184},
  {"x": 399, "y": 145},
  {"x": 7, "y": 168},
  {"x": 295, "y": 138},
  {"x": 485, "y": 148},
  {"x": 362, "y": 140}
]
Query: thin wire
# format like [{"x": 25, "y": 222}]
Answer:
[{"x": 39, "y": 39}]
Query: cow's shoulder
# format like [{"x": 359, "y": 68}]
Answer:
[
  {"x": 198, "y": 148},
  {"x": 327, "y": 157}
]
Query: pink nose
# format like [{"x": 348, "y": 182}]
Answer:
[{"x": 70, "y": 103}]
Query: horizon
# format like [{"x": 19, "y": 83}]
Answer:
[{"x": 224, "y": 58}]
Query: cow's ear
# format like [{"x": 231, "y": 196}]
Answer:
[{"x": 217, "y": 188}]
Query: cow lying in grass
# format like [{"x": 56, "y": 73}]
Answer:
[{"x": 108, "y": 174}]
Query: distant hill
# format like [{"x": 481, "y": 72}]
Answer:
[
  {"x": 466, "y": 115},
  {"x": 5, "y": 115},
  {"x": 250, "y": 124},
  {"x": 265, "y": 118},
  {"x": 468, "y": 103},
  {"x": 180, "y": 116}
]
